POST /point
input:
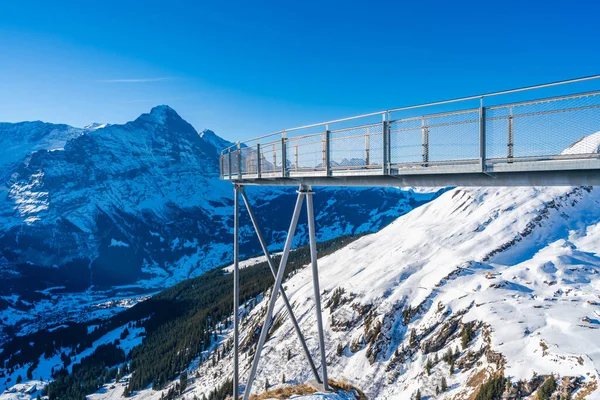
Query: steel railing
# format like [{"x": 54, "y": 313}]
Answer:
[{"x": 533, "y": 130}]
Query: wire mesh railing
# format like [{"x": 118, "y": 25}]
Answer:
[
  {"x": 358, "y": 147},
  {"x": 550, "y": 128},
  {"x": 306, "y": 153},
  {"x": 541, "y": 129}
]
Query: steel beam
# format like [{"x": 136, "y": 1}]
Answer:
[
  {"x": 386, "y": 161},
  {"x": 327, "y": 151},
  {"x": 258, "y": 160},
  {"x": 511, "y": 137},
  {"x": 239, "y": 157},
  {"x": 236, "y": 291},
  {"x": 279, "y": 278},
  {"x": 283, "y": 295},
  {"x": 575, "y": 177},
  {"x": 482, "y": 137},
  {"x": 425, "y": 143},
  {"x": 315, "y": 272}
]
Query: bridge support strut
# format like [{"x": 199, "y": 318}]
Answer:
[{"x": 278, "y": 274}]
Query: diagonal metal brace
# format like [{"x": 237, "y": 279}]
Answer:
[
  {"x": 307, "y": 190},
  {"x": 282, "y": 292},
  {"x": 276, "y": 289}
]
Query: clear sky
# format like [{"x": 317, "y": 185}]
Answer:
[{"x": 253, "y": 67}]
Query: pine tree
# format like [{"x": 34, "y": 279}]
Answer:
[
  {"x": 183, "y": 381},
  {"x": 266, "y": 385},
  {"x": 283, "y": 379},
  {"x": 466, "y": 336},
  {"x": 418, "y": 394},
  {"x": 413, "y": 337},
  {"x": 448, "y": 357},
  {"x": 340, "y": 349},
  {"x": 289, "y": 355},
  {"x": 428, "y": 367},
  {"x": 444, "y": 384}
]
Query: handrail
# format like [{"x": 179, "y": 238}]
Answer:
[{"x": 455, "y": 100}]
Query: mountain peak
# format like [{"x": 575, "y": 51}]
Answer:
[
  {"x": 95, "y": 126},
  {"x": 162, "y": 113},
  {"x": 213, "y": 139}
]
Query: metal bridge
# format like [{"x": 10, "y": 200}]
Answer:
[
  {"x": 515, "y": 144},
  {"x": 540, "y": 141}
]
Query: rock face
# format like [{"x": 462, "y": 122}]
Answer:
[{"x": 142, "y": 203}]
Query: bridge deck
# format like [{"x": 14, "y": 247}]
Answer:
[{"x": 545, "y": 141}]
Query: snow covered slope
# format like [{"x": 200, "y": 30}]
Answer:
[
  {"x": 19, "y": 140},
  {"x": 516, "y": 271}
]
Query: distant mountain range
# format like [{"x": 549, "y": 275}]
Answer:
[{"x": 141, "y": 206}]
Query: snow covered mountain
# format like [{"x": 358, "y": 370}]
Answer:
[
  {"x": 138, "y": 205},
  {"x": 21, "y": 139},
  {"x": 216, "y": 141}
]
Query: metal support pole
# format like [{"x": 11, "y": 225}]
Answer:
[
  {"x": 284, "y": 257},
  {"x": 259, "y": 161},
  {"x": 283, "y": 156},
  {"x": 296, "y": 154},
  {"x": 425, "y": 141},
  {"x": 274, "y": 158},
  {"x": 482, "y": 138},
  {"x": 283, "y": 295},
  {"x": 239, "y": 151},
  {"x": 221, "y": 160},
  {"x": 230, "y": 169},
  {"x": 511, "y": 136},
  {"x": 327, "y": 151},
  {"x": 386, "y": 145},
  {"x": 236, "y": 292},
  {"x": 315, "y": 271},
  {"x": 367, "y": 147}
]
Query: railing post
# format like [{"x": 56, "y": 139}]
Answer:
[
  {"x": 221, "y": 171},
  {"x": 425, "y": 142},
  {"x": 511, "y": 136},
  {"x": 283, "y": 156},
  {"x": 258, "y": 161},
  {"x": 274, "y": 158},
  {"x": 386, "y": 162},
  {"x": 239, "y": 151},
  {"x": 229, "y": 162},
  {"x": 482, "y": 138},
  {"x": 296, "y": 154},
  {"x": 367, "y": 148},
  {"x": 327, "y": 151}
]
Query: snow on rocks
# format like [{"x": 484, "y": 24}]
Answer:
[{"x": 521, "y": 265}]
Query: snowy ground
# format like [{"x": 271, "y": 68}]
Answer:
[{"x": 524, "y": 261}]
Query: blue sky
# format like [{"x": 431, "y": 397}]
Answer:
[{"x": 248, "y": 68}]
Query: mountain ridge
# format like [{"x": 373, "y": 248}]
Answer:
[{"x": 138, "y": 207}]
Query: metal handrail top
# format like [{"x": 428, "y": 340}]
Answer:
[{"x": 436, "y": 103}]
